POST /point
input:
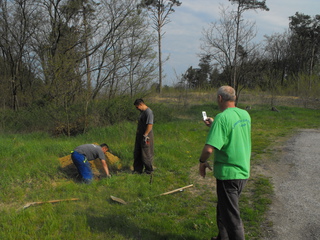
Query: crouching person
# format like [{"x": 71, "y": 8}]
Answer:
[{"x": 81, "y": 156}]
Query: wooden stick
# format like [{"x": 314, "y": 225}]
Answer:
[
  {"x": 176, "y": 190},
  {"x": 50, "y": 201},
  {"x": 119, "y": 200}
]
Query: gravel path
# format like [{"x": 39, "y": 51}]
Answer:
[{"x": 295, "y": 211}]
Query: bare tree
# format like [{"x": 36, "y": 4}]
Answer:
[
  {"x": 58, "y": 46},
  {"x": 16, "y": 30},
  {"x": 242, "y": 6},
  {"x": 159, "y": 13},
  {"x": 221, "y": 38},
  {"x": 72, "y": 51},
  {"x": 140, "y": 65},
  {"x": 277, "y": 48},
  {"x": 124, "y": 59},
  {"x": 305, "y": 32}
]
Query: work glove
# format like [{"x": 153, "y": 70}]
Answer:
[{"x": 146, "y": 139}]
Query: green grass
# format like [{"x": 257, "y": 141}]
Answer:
[{"x": 30, "y": 172}]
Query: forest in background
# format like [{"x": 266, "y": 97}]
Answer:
[{"x": 67, "y": 65}]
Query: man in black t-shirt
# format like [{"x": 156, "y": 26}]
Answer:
[{"x": 143, "y": 149}]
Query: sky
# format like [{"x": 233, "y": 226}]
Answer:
[{"x": 181, "y": 41}]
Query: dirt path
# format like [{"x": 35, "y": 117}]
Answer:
[{"x": 295, "y": 211}]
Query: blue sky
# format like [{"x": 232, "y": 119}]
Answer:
[{"x": 182, "y": 35}]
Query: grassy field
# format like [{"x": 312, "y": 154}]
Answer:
[{"x": 30, "y": 172}]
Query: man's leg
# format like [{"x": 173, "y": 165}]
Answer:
[
  {"x": 83, "y": 166},
  {"x": 137, "y": 162},
  {"x": 228, "y": 213},
  {"x": 223, "y": 234},
  {"x": 147, "y": 154}
]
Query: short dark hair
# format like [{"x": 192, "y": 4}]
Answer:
[
  {"x": 104, "y": 145},
  {"x": 138, "y": 101}
]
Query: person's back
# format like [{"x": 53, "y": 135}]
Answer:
[
  {"x": 91, "y": 151},
  {"x": 232, "y": 141},
  {"x": 86, "y": 152},
  {"x": 229, "y": 139}
]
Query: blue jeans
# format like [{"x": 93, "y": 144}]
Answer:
[{"x": 83, "y": 166}]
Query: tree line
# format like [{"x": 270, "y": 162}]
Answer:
[
  {"x": 62, "y": 55},
  {"x": 57, "y": 55},
  {"x": 67, "y": 63},
  {"x": 230, "y": 55}
]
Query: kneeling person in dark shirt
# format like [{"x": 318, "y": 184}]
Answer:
[{"x": 85, "y": 153}]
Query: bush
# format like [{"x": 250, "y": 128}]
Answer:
[
  {"x": 122, "y": 109},
  {"x": 115, "y": 110},
  {"x": 162, "y": 112},
  {"x": 25, "y": 120}
]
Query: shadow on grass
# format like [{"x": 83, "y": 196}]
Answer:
[{"x": 128, "y": 229}]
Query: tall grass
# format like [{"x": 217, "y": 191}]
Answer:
[{"x": 30, "y": 172}]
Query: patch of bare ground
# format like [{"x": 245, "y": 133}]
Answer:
[
  {"x": 294, "y": 171},
  {"x": 292, "y": 163},
  {"x": 208, "y": 183}
]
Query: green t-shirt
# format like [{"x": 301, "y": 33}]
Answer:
[{"x": 230, "y": 135}]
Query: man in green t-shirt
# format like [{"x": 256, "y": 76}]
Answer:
[{"x": 230, "y": 140}]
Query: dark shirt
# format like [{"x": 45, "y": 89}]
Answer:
[{"x": 91, "y": 151}]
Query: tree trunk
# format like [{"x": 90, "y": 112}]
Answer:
[
  {"x": 88, "y": 71},
  {"x": 235, "y": 60},
  {"x": 160, "y": 58}
]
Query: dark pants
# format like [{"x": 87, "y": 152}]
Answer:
[
  {"x": 83, "y": 166},
  {"x": 228, "y": 213},
  {"x": 143, "y": 154}
]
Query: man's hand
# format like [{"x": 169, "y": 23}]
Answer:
[
  {"x": 202, "y": 168},
  {"x": 209, "y": 121},
  {"x": 146, "y": 139}
]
